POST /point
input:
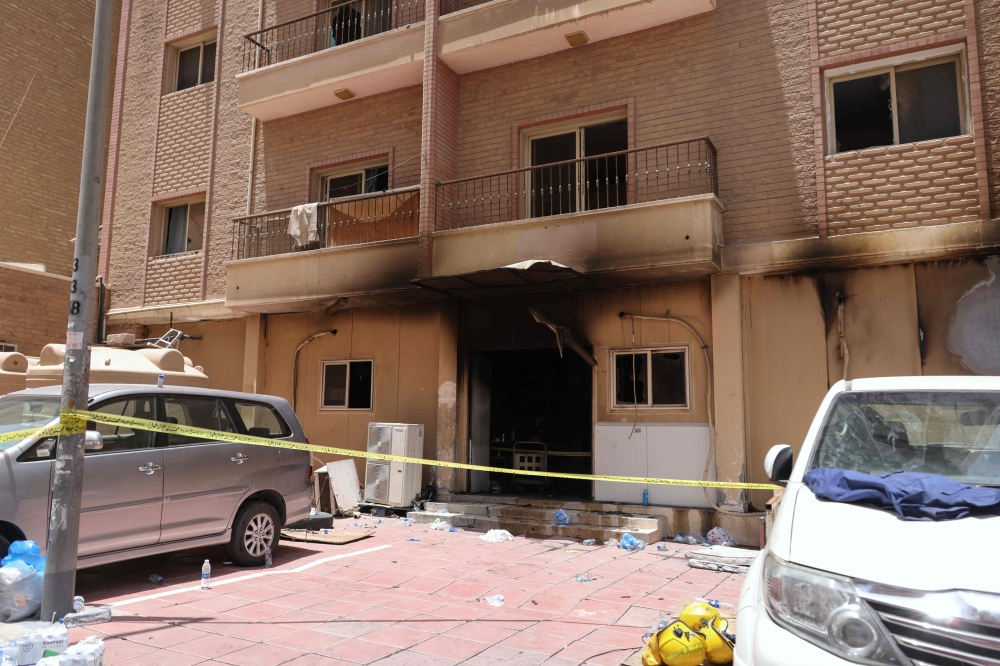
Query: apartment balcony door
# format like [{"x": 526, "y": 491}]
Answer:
[{"x": 350, "y": 21}]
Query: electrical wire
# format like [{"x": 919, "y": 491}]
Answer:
[{"x": 18, "y": 109}]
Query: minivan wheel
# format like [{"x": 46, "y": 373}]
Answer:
[
  {"x": 4, "y": 547},
  {"x": 256, "y": 527}
]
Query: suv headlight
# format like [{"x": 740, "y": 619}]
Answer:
[{"x": 825, "y": 610}]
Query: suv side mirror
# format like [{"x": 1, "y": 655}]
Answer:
[
  {"x": 778, "y": 464},
  {"x": 92, "y": 441}
]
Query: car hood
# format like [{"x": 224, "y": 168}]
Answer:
[{"x": 876, "y": 545}]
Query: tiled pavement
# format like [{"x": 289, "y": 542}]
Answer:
[{"x": 389, "y": 601}]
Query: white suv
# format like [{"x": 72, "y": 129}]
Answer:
[{"x": 848, "y": 584}]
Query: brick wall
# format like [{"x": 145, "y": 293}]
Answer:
[
  {"x": 917, "y": 184},
  {"x": 739, "y": 75},
  {"x": 988, "y": 24},
  {"x": 292, "y": 145},
  {"x": 173, "y": 279},
  {"x": 186, "y": 16},
  {"x": 41, "y": 155},
  {"x": 183, "y": 140},
  {"x": 33, "y": 309},
  {"x": 851, "y": 25}
]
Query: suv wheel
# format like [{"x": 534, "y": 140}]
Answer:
[{"x": 255, "y": 528}]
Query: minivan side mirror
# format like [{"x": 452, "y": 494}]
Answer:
[
  {"x": 92, "y": 441},
  {"x": 778, "y": 464}
]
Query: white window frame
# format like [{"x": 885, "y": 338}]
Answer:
[
  {"x": 648, "y": 351},
  {"x": 6, "y": 347},
  {"x": 556, "y": 127},
  {"x": 164, "y": 223},
  {"x": 954, "y": 53},
  {"x": 321, "y": 177},
  {"x": 347, "y": 392}
]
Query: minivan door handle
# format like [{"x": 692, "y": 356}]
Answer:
[
  {"x": 149, "y": 468},
  {"x": 239, "y": 458}
]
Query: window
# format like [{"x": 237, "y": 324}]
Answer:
[
  {"x": 650, "y": 378},
  {"x": 195, "y": 65},
  {"x": 7, "y": 347},
  {"x": 120, "y": 438},
  {"x": 347, "y": 385},
  {"x": 261, "y": 420},
  {"x": 353, "y": 182},
  {"x": 596, "y": 183},
  {"x": 197, "y": 412},
  {"x": 898, "y": 104},
  {"x": 183, "y": 227}
]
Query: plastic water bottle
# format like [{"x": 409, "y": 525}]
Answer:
[
  {"x": 159, "y": 381},
  {"x": 645, "y": 498},
  {"x": 92, "y": 616},
  {"x": 206, "y": 575},
  {"x": 268, "y": 562},
  {"x": 155, "y": 579},
  {"x": 78, "y": 604}
]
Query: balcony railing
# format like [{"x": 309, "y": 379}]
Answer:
[
  {"x": 449, "y": 6},
  {"x": 340, "y": 24},
  {"x": 664, "y": 171},
  {"x": 353, "y": 220}
]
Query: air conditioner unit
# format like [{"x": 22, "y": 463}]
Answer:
[{"x": 394, "y": 483}]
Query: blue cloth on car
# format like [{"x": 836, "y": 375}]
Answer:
[{"x": 911, "y": 495}]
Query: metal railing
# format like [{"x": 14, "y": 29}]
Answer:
[
  {"x": 449, "y": 6},
  {"x": 365, "y": 218},
  {"x": 342, "y": 23},
  {"x": 664, "y": 171}
]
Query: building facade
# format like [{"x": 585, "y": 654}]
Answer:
[
  {"x": 43, "y": 107},
  {"x": 645, "y": 237}
]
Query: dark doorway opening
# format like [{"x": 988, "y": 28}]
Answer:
[{"x": 526, "y": 402}]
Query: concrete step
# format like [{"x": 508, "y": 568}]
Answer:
[
  {"x": 546, "y": 515},
  {"x": 583, "y": 525}
]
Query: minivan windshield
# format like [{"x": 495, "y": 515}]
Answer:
[
  {"x": 20, "y": 412},
  {"x": 952, "y": 433}
]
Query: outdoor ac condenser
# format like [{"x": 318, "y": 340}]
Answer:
[{"x": 394, "y": 483}]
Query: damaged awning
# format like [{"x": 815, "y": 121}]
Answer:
[
  {"x": 563, "y": 336},
  {"x": 532, "y": 275}
]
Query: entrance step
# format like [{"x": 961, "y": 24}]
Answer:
[{"x": 519, "y": 519}]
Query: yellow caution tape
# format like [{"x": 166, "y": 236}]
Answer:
[{"x": 71, "y": 421}]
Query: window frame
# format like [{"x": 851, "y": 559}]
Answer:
[
  {"x": 241, "y": 426},
  {"x": 322, "y": 176},
  {"x": 347, "y": 392},
  {"x": 890, "y": 66},
  {"x": 162, "y": 225},
  {"x": 576, "y": 125},
  {"x": 648, "y": 351},
  {"x": 176, "y": 49},
  {"x": 7, "y": 347},
  {"x": 163, "y": 442}
]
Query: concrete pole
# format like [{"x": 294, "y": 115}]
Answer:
[{"x": 59, "y": 582}]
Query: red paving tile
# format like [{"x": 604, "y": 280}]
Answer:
[{"x": 411, "y": 604}]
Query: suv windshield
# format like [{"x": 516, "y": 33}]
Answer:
[
  {"x": 20, "y": 412},
  {"x": 952, "y": 433}
]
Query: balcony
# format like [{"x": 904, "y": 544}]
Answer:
[
  {"x": 364, "y": 47},
  {"x": 359, "y": 48},
  {"x": 359, "y": 245},
  {"x": 652, "y": 212}
]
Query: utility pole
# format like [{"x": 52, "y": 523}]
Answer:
[{"x": 59, "y": 582}]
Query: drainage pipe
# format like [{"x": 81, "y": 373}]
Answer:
[
  {"x": 252, "y": 168},
  {"x": 708, "y": 400}
]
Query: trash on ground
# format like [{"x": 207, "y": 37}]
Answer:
[
  {"x": 413, "y": 539},
  {"x": 268, "y": 558},
  {"x": 721, "y": 558},
  {"x": 78, "y": 604},
  {"x": 584, "y": 578},
  {"x": 407, "y": 521},
  {"x": 206, "y": 575},
  {"x": 561, "y": 517},
  {"x": 452, "y": 528},
  {"x": 589, "y": 542},
  {"x": 700, "y": 634},
  {"x": 496, "y": 600},
  {"x": 693, "y": 539},
  {"x": 156, "y": 579},
  {"x": 20, "y": 591},
  {"x": 27, "y": 552},
  {"x": 331, "y": 537},
  {"x": 49, "y": 641},
  {"x": 439, "y": 524},
  {"x": 345, "y": 486},
  {"x": 629, "y": 542},
  {"x": 88, "y": 652},
  {"x": 717, "y": 536},
  {"x": 92, "y": 616},
  {"x": 611, "y": 542},
  {"x": 496, "y": 536}
]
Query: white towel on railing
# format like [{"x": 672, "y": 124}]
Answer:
[{"x": 302, "y": 224}]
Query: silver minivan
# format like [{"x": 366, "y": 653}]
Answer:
[{"x": 146, "y": 493}]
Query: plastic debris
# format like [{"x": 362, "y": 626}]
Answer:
[
  {"x": 496, "y": 536},
  {"x": 206, "y": 575},
  {"x": 589, "y": 542},
  {"x": 156, "y": 579},
  {"x": 694, "y": 539},
  {"x": 717, "y": 536},
  {"x": 78, "y": 604},
  {"x": 496, "y": 600},
  {"x": 561, "y": 517},
  {"x": 268, "y": 558},
  {"x": 51, "y": 641},
  {"x": 629, "y": 542},
  {"x": 27, "y": 552},
  {"x": 611, "y": 542},
  {"x": 584, "y": 578},
  {"x": 20, "y": 588},
  {"x": 88, "y": 652},
  {"x": 413, "y": 539},
  {"x": 452, "y": 528},
  {"x": 92, "y": 616},
  {"x": 439, "y": 524},
  {"x": 407, "y": 521}
]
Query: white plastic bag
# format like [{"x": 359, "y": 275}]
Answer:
[
  {"x": 439, "y": 524},
  {"x": 14, "y": 572},
  {"x": 496, "y": 536},
  {"x": 22, "y": 599},
  {"x": 717, "y": 536}
]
